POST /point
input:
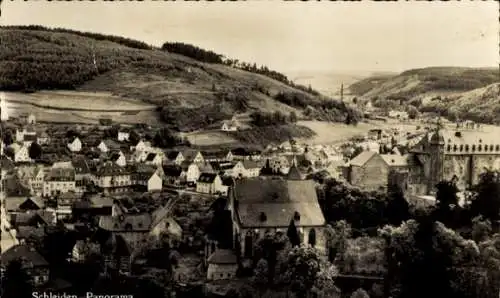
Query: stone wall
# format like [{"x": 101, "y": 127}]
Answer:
[{"x": 372, "y": 176}]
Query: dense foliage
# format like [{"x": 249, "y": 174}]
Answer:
[
  {"x": 273, "y": 134},
  {"x": 192, "y": 51}
]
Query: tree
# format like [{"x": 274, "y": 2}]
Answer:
[
  {"x": 412, "y": 112},
  {"x": 7, "y": 137},
  {"x": 487, "y": 196},
  {"x": 398, "y": 209},
  {"x": 293, "y": 234},
  {"x": 261, "y": 274},
  {"x": 134, "y": 137},
  {"x": 304, "y": 271},
  {"x": 16, "y": 281},
  {"x": 293, "y": 117},
  {"x": 267, "y": 169},
  {"x": 360, "y": 293},
  {"x": 35, "y": 151},
  {"x": 481, "y": 229}
]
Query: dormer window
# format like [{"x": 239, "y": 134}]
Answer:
[{"x": 296, "y": 216}]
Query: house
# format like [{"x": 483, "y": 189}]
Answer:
[
  {"x": 139, "y": 156},
  {"x": 43, "y": 138},
  {"x": 174, "y": 175},
  {"x": 193, "y": 170},
  {"x": 108, "y": 145},
  {"x": 32, "y": 176},
  {"x": 224, "y": 169},
  {"x": 146, "y": 178},
  {"x": 21, "y": 153},
  {"x": 222, "y": 264},
  {"x": 59, "y": 180},
  {"x": 75, "y": 145},
  {"x": 129, "y": 230},
  {"x": 31, "y": 119},
  {"x": 27, "y": 131},
  {"x": 261, "y": 205},
  {"x": 118, "y": 158},
  {"x": 82, "y": 173},
  {"x": 229, "y": 125},
  {"x": 252, "y": 168},
  {"x": 142, "y": 146},
  {"x": 398, "y": 115},
  {"x": 38, "y": 218},
  {"x": 37, "y": 268},
  {"x": 163, "y": 222},
  {"x": 375, "y": 134},
  {"x": 24, "y": 233},
  {"x": 83, "y": 249},
  {"x": 370, "y": 170},
  {"x": 112, "y": 178},
  {"x": 191, "y": 156},
  {"x": 64, "y": 208},
  {"x": 210, "y": 183},
  {"x": 217, "y": 156},
  {"x": 123, "y": 135},
  {"x": 153, "y": 159}
]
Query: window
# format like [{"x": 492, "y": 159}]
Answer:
[
  {"x": 312, "y": 238},
  {"x": 485, "y": 147},
  {"x": 454, "y": 148},
  {"x": 491, "y": 147},
  {"x": 497, "y": 148},
  {"x": 448, "y": 148},
  {"x": 474, "y": 147},
  {"x": 466, "y": 148},
  {"x": 462, "y": 148},
  {"x": 479, "y": 148}
]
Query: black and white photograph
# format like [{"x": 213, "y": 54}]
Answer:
[{"x": 250, "y": 149}]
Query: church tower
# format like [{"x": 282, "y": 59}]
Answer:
[{"x": 436, "y": 159}]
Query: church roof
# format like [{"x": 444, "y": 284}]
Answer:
[
  {"x": 278, "y": 199},
  {"x": 294, "y": 173}
]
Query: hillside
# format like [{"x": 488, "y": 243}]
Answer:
[
  {"x": 467, "y": 93},
  {"x": 187, "y": 92}
]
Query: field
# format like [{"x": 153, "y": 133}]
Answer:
[
  {"x": 332, "y": 133},
  {"x": 210, "y": 138},
  {"x": 79, "y": 107}
]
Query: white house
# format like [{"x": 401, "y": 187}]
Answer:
[
  {"x": 252, "y": 168},
  {"x": 238, "y": 170},
  {"x": 210, "y": 183},
  {"x": 119, "y": 158},
  {"x": 75, "y": 145},
  {"x": 123, "y": 136},
  {"x": 154, "y": 159},
  {"x": 112, "y": 178},
  {"x": 21, "y": 153},
  {"x": 108, "y": 145},
  {"x": 155, "y": 183},
  {"x": 59, "y": 180},
  {"x": 142, "y": 146},
  {"x": 21, "y": 135},
  {"x": 31, "y": 119},
  {"x": 229, "y": 125},
  {"x": 222, "y": 265},
  {"x": 398, "y": 114}
]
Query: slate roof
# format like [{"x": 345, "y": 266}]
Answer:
[
  {"x": 207, "y": 178},
  {"x": 61, "y": 174},
  {"x": 395, "y": 160},
  {"x": 6, "y": 164},
  {"x": 251, "y": 164},
  {"x": 24, "y": 232},
  {"x": 172, "y": 170},
  {"x": 115, "y": 156},
  {"x": 151, "y": 156},
  {"x": 223, "y": 256},
  {"x": 14, "y": 203},
  {"x": 222, "y": 166},
  {"x": 189, "y": 154},
  {"x": 111, "y": 145},
  {"x": 214, "y": 154},
  {"x": 278, "y": 199},
  {"x": 81, "y": 165},
  {"x": 126, "y": 222},
  {"x": 111, "y": 169},
  {"x": 24, "y": 252},
  {"x": 294, "y": 174},
  {"x": 362, "y": 158},
  {"x": 172, "y": 155}
]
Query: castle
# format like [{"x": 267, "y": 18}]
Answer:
[{"x": 461, "y": 154}]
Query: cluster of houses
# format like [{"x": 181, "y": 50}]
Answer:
[{"x": 88, "y": 184}]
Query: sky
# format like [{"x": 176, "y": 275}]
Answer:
[{"x": 293, "y": 36}]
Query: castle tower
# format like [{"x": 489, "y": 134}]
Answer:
[{"x": 436, "y": 159}]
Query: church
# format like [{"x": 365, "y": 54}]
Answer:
[{"x": 462, "y": 154}]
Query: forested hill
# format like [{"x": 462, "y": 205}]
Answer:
[
  {"x": 455, "y": 92},
  {"x": 180, "y": 76}
]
